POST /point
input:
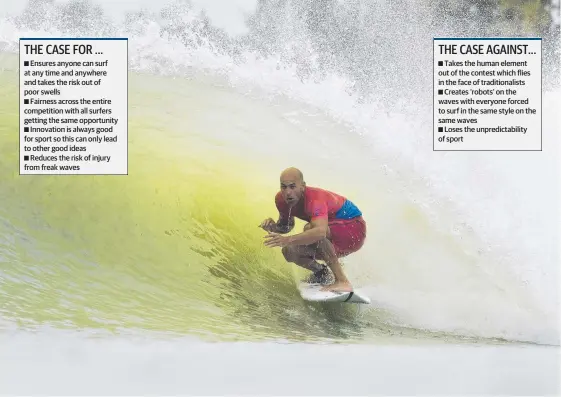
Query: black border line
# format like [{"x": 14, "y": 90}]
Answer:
[
  {"x": 19, "y": 103},
  {"x": 541, "y": 93}
]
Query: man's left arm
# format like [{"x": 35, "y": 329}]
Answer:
[
  {"x": 318, "y": 223},
  {"x": 317, "y": 232}
]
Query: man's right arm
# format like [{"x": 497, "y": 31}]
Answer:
[{"x": 284, "y": 225}]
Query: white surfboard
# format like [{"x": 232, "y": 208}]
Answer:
[{"x": 313, "y": 293}]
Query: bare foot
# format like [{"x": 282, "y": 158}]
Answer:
[{"x": 339, "y": 286}]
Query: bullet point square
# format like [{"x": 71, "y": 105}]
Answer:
[
  {"x": 440, "y": 63},
  {"x": 26, "y": 101},
  {"x": 440, "y": 92},
  {"x": 25, "y": 129},
  {"x": 25, "y": 63},
  {"x": 26, "y": 158},
  {"x": 440, "y": 129}
]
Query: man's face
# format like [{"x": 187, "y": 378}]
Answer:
[{"x": 292, "y": 189}]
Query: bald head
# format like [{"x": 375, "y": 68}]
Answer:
[
  {"x": 292, "y": 174},
  {"x": 292, "y": 185}
]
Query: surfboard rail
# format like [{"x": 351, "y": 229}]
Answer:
[{"x": 313, "y": 293}]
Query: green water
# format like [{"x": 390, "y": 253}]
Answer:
[
  {"x": 171, "y": 247},
  {"x": 174, "y": 246}
]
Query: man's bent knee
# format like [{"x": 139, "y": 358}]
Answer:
[
  {"x": 326, "y": 248},
  {"x": 289, "y": 254}
]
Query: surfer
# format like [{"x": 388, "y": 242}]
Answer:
[{"x": 335, "y": 229}]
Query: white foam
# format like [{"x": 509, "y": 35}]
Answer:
[{"x": 60, "y": 362}]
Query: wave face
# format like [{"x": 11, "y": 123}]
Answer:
[{"x": 460, "y": 245}]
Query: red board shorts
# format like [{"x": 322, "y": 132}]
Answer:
[{"x": 347, "y": 235}]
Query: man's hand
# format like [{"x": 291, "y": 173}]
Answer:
[
  {"x": 268, "y": 225},
  {"x": 276, "y": 240}
]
